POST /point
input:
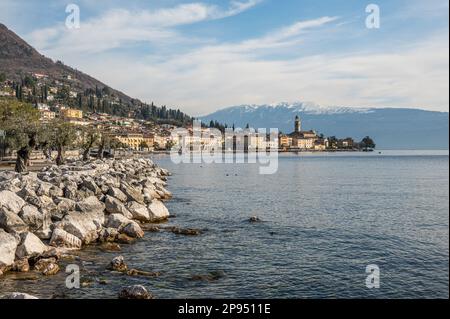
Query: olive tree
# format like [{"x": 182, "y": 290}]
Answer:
[
  {"x": 20, "y": 121},
  {"x": 63, "y": 136},
  {"x": 89, "y": 137}
]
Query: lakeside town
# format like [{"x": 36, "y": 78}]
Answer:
[{"x": 88, "y": 113}]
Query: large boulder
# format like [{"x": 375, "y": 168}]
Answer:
[
  {"x": 8, "y": 246},
  {"x": 115, "y": 206},
  {"x": 90, "y": 204},
  {"x": 32, "y": 217},
  {"x": 117, "y": 221},
  {"x": 11, "y": 201},
  {"x": 11, "y": 222},
  {"x": 158, "y": 211},
  {"x": 133, "y": 230},
  {"x": 90, "y": 184},
  {"x": 30, "y": 245},
  {"x": 117, "y": 193},
  {"x": 132, "y": 193},
  {"x": 61, "y": 238},
  {"x": 63, "y": 206},
  {"x": 83, "y": 225},
  {"x": 139, "y": 211}
]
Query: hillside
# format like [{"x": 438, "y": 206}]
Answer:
[
  {"x": 391, "y": 128},
  {"x": 18, "y": 59}
]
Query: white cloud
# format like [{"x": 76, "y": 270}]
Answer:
[
  {"x": 117, "y": 27},
  {"x": 211, "y": 77}
]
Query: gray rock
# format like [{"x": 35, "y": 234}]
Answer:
[
  {"x": 132, "y": 193},
  {"x": 83, "y": 225},
  {"x": 117, "y": 193},
  {"x": 18, "y": 295},
  {"x": 11, "y": 222},
  {"x": 158, "y": 211},
  {"x": 118, "y": 264},
  {"x": 30, "y": 245},
  {"x": 92, "y": 186},
  {"x": 108, "y": 235},
  {"x": 90, "y": 204},
  {"x": 117, "y": 221},
  {"x": 133, "y": 230},
  {"x": 115, "y": 206},
  {"x": 11, "y": 201},
  {"x": 139, "y": 211},
  {"x": 32, "y": 217},
  {"x": 135, "y": 292},
  {"x": 61, "y": 238},
  {"x": 8, "y": 246}
]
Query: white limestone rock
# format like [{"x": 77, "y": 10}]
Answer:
[
  {"x": 30, "y": 245},
  {"x": 11, "y": 201}
]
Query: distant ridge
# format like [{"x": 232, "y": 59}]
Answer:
[
  {"x": 18, "y": 59},
  {"x": 392, "y": 128}
]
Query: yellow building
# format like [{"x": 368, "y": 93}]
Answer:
[
  {"x": 285, "y": 141},
  {"x": 136, "y": 141},
  {"x": 304, "y": 143},
  {"x": 71, "y": 114}
]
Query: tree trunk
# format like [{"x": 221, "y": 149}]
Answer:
[
  {"x": 86, "y": 154},
  {"x": 23, "y": 156},
  {"x": 60, "y": 157},
  {"x": 101, "y": 149},
  {"x": 47, "y": 153}
]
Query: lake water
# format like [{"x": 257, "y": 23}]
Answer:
[{"x": 325, "y": 218}]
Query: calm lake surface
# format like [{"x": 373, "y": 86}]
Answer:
[{"x": 326, "y": 217}]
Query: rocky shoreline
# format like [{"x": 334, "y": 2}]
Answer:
[{"x": 46, "y": 215}]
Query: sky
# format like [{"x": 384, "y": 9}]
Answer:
[{"x": 204, "y": 55}]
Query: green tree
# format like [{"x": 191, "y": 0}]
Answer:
[
  {"x": 20, "y": 121},
  {"x": 367, "y": 143},
  {"x": 63, "y": 136},
  {"x": 2, "y": 77},
  {"x": 89, "y": 137}
]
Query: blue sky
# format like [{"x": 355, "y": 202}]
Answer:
[{"x": 204, "y": 55}]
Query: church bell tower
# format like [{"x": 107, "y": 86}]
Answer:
[{"x": 298, "y": 124}]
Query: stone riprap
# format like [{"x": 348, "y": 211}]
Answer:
[{"x": 66, "y": 207}]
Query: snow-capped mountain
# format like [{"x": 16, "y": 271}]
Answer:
[{"x": 392, "y": 128}]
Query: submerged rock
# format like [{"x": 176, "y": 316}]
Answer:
[
  {"x": 254, "y": 219},
  {"x": 118, "y": 264},
  {"x": 8, "y": 246},
  {"x": 135, "y": 272},
  {"x": 51, "y": 269},
  {"x": 184, "y": 231},
  {"x": 21, "y": 265},
  {"x": 18, "y": 295},
  {"x": 135, "y": 292}
]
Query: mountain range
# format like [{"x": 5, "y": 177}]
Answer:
[{"x": 391, "y": 128}]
